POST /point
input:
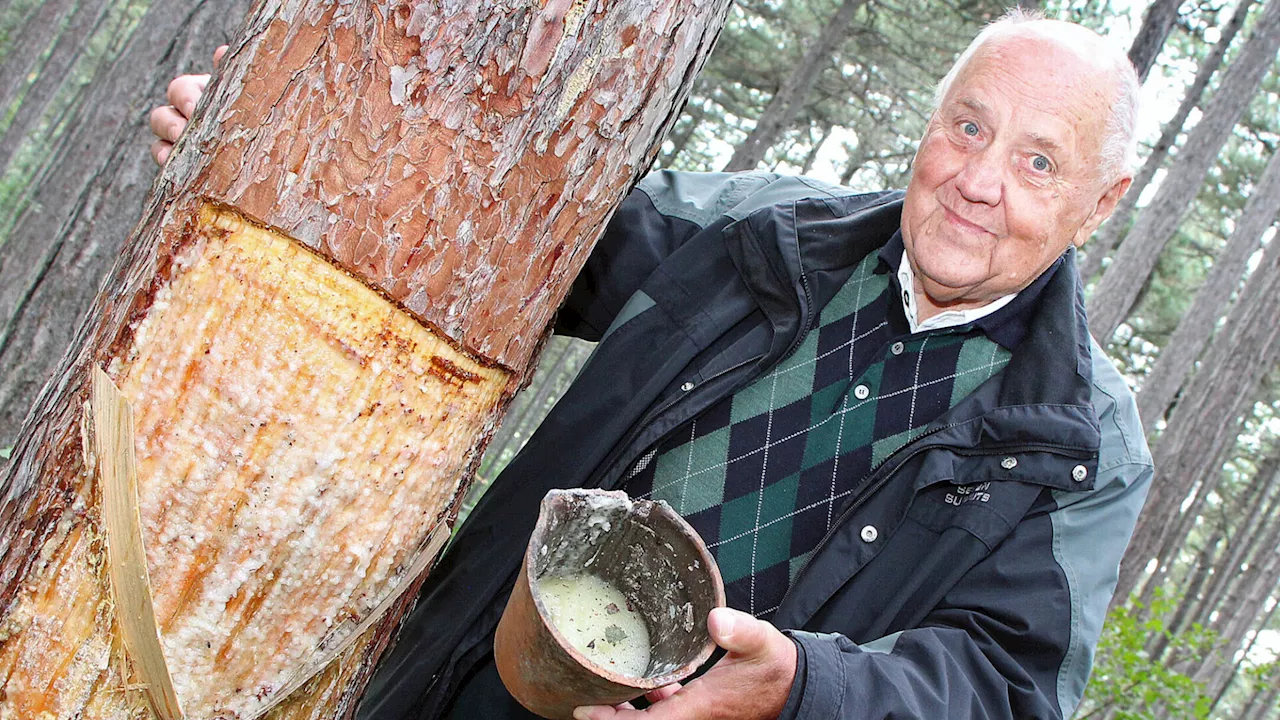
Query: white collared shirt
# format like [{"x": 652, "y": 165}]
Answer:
[{"x": 946, "y": 318}]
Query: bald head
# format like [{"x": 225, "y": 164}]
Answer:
[{"x": 1079, "y": 51}]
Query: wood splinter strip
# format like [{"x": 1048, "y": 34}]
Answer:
[{"x": 126, "y": 558}]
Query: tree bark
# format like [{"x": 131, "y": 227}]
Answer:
[
  {"x": 25, "y": 53},
  {"x": 1205, "y": 422},
  {"x": 83, "y": 21},
  {"x": 1233, "y": 671},
  {"x": 1196, "y": 326},
  {"x": 342, "y": 274},
  {"x": 794, "y": 92},
  {"x": 1108, "y": 235},
  {"x": 1157, "y": 21},
  {"x": 1261, "y": 703},
  {"x": 1257, "y": 511},
  {"x": 1116, "y": 292},
  {"x": 1240, "y": 610},
  {"x": 1198, "y": 575},
  {"x": 84, "y": 195}
]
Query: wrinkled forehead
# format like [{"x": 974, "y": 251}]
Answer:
[{"x": 1057, "y": 87}]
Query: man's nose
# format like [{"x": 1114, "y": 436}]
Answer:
[{"x": 981, "y": 179}]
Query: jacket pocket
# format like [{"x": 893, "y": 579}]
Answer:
[{"x": 980, "y": 495}]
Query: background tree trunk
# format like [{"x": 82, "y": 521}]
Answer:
[
  {"x": 794, "y": 92},
  {"x": 1194, "y": 330},
  {"x": 1157, "y": 21},
  {"x": 85, "y": 192},
  {"x": 455, "y": 163},
  {"x": 32, "y": 36},
  {"x": 1109, "y": 234},
  {"x": 79, "y": 24},
  {"x": 1115, "y": 294},
  {"x": 1258, "y": 512},
  {"x": 1205, "y": 423}
]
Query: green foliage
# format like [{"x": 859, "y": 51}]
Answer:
[{"x": 1128, "y": 682}]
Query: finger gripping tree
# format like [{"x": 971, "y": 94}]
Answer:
[{"x": 342, "y": 275}]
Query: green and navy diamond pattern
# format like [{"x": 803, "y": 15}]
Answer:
[{"x": 762, "y": 474}]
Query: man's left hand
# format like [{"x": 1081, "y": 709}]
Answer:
[{"x": 751, "y": 682}]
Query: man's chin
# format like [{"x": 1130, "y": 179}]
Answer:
[{"x": 947, "y": 291}]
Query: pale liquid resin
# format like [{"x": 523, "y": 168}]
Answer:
[{"x": 596, "y": 620}]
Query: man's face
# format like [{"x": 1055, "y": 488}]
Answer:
[{"x": 1007, "y": 174}]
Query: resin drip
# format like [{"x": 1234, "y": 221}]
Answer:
[{"x": 596, "y": 619}]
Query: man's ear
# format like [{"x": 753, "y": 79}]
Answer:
[{"x": 1106, "y": 205}]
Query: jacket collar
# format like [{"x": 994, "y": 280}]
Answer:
[
  {"x": 1008, "y": 325},
  {"x": 795, "y": 256}
]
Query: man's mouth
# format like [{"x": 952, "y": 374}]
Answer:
[{"x": 966, "y": 225}]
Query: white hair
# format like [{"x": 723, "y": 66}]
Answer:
[{"x": 1119, "y": 152}]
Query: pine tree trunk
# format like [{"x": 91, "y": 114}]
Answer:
[
  {"x": 1203, "y": 425},
  {"x": 1178, "y": 356},
  {"x": 1108, "y": 235},
  {"x": 1230, "y": 674},
  {"x": 84, "y": 196},
  {"x": 82, "y": 22},
  {"x": 1120, "y": 285},
  {"x": 344, "y": 271},
  {"x": 1261, "y": 703},
  {"x": 30, "y": 38},
  {"x": 1257, "y": 511},
  {"x": 793, "y": 94},
  {"x": 1156, "y": 24},
  {"x": 1199, "y": 575},
  {"x": 1240, "y": 611},
  {"x": 1176, "y": 533}
]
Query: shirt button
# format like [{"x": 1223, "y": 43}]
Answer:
[
  {"x": 1009, "y": 463},
  {"x": 897, "y": 348},
  {"x": 687, "y": 386},
  {"x": 1079, "y": 473},
  {"x": 869, "y": 533},
  {"x": 862, "y": 392}
]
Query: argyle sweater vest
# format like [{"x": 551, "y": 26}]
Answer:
[{"x": 763, "y": 474}]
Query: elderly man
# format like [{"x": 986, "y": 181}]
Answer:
[{"x": 883, "y": 412}]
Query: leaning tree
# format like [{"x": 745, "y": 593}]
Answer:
[{"x": 342, "y": 275}]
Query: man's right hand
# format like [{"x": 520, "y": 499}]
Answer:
[{"x": 168, "y": 121}]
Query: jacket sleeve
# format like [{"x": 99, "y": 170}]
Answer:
[
  {"x": 975, "y": 658},
  {"x": 664, "y": 211},
  {"x": 987, "y": 649}
]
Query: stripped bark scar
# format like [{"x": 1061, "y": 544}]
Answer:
[
  {"x": 295, "y": 444},
  {"x": 299, "y": 438}
]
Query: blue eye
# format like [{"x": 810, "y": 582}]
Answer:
[
  {"x": 970, "y": 129},
  {"x": 1041, "y": 163}
]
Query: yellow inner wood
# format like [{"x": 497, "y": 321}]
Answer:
[{"x": 298, "y": 438}]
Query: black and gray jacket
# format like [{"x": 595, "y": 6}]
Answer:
[{"x": 988, "y": 609}]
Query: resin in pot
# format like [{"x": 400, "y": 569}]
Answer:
[{"x": 596, "y": 619}]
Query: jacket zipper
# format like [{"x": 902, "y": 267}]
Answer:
[{"x": 874, "y": 484}]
